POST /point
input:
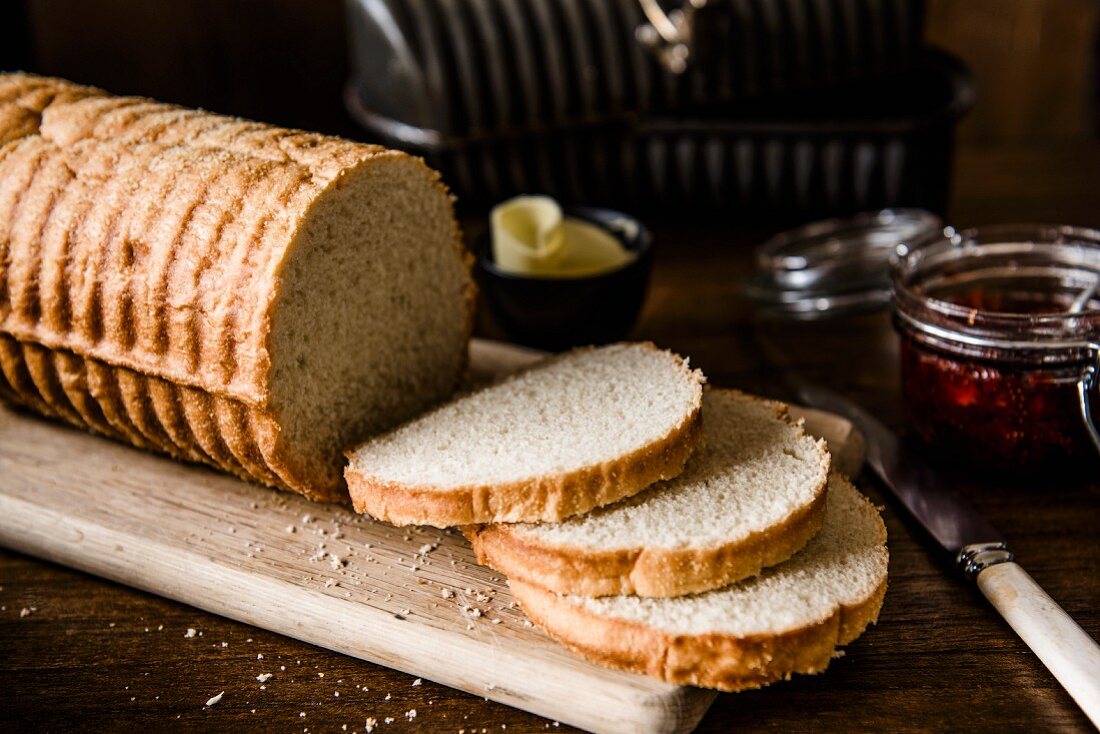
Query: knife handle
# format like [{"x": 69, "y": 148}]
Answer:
[{"x": 1066, "y": 649}]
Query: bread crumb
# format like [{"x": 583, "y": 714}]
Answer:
[
  {"x": 259, "y": 656},
  {"x": 320, "y": 675},
  {"x": 189, "y": 633},
  {"x": 291, "y": 529},
  {"x": 446, "y": 593},
  {"x": 388, "y": 719},
  {"x": 417, "y": 682},
  {"x": 426, "y": 549},
  {"x": 411, "y": 714},
  {"x": 496, "y": 621},
  {"x": 214, "y": 699},
  {"x": 264, "y": 677},
  {"x": 371, "y": 723},
  {"x": 388, "y": 697}
]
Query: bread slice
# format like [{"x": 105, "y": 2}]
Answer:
[
  {"x": 574, "y": 432},
  {"x": 228, "y": 292},
  {"x": 790, "y": 619},
  {"x": 751, "y": 497}
]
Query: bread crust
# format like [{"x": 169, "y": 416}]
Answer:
[
  {"x": 152, "y": 414},
  {"x": 545, "y": 498},
  {"x": 710, "y": 660},
  {"x": 536, "y": 499},
  {"x": 146, "y": 244},
  {"x": 651, "y": 570}
]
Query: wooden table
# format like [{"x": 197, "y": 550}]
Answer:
[{"x": 77, "y": 652}]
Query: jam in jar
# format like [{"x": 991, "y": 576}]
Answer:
[{"x": 1000, "y": 341}]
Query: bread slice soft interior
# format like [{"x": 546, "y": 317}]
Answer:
[
  {"x": 574, "y": 432},
  {"x": 372, "y": 322},
  {"x": 750, "y": 497},
  {"x": 789, "y": 619}
]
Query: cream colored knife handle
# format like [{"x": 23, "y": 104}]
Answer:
[{"x": 1066, "y": 649}]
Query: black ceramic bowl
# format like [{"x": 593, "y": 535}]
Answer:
[{"x": 559, "y": 313}]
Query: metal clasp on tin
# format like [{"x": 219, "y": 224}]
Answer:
[
  {"x": 1089, "y": 380},
  {"x": 669, "y": 35}
]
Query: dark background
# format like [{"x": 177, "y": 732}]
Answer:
[{"x": 284, "y": 61}]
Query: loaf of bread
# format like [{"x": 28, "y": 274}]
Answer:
[{"x": 227, "y": 292}]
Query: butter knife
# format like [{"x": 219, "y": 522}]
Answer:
[{"x": 979, "y": 551}]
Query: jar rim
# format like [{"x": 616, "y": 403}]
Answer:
[
  {"x": 1054, "y": 253},
  {"x": 834, "y": 266}
]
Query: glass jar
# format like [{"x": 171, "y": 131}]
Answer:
[
  {"x": 827, "y": 284},
  {"x": 1000, "y": 341}
]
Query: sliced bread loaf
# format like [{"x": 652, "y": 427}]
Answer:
[
  {"x": 789, "y": 619},
  {"x": 750, "y": 497},
  {"x": 224, "y": 291},
  {"x": 574, "y": 432}
]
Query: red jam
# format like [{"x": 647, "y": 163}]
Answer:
[
  {"x": 999, "y": 327},
  {"x": 1013, "y": 418}
]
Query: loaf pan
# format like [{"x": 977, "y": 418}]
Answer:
[
  {"x": 833, "y": 151},
  {"x": 425, "y": 71}
]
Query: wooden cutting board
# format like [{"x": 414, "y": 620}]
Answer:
[{"x": 410, "y": 599}]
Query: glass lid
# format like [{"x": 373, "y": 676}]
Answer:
[{"x": 835, "y": 266}]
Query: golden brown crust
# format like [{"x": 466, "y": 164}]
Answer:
[
  {"x": 709, "y": 660},
  {"x": 541, "y": 498},
  {"x": 187, "y": 220},
  {"x": 146, "y": 243},
  {"x": 148, "y": 412},
  {"x": 651, "y": 571}
]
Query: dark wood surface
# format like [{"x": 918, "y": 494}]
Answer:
[{"x": 92, "y": 655}]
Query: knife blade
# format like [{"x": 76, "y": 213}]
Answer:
[
  {"x": 979, "y": 551},
  {"x": 947, "y": 517}
]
